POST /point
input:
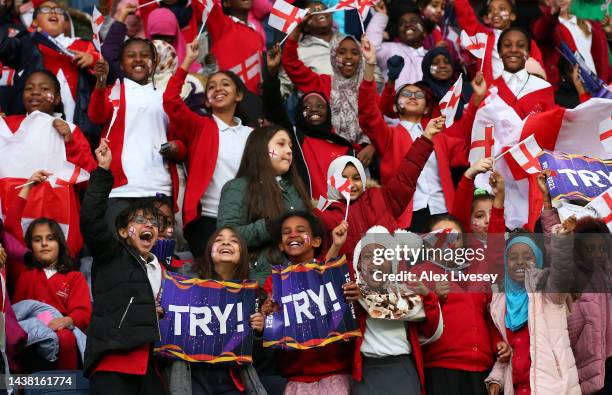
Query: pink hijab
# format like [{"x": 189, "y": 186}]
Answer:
[{"x": 163, "y": 21}]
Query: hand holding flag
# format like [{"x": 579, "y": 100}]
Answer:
[
  {"x": 343, "y": 186},
  {"x": 602, "y": 205},
  {"x": 525, "y": 155},
  {"x": 97, "y": 19},
  {"x": 285, "y": 17},
  {"x": 450, "y": 101}
]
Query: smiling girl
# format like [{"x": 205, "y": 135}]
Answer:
[
  {"x": 215, "y": 145},
  {"x": 48, "y": 275}
]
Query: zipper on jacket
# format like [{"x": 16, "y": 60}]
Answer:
[
  {"x": 126, "y": 310},
  {"x": 140, "y": 259}
]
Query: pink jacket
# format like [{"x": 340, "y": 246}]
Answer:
[
  {"x": 589, "y": 325},
  {"x": 553, "y": 368}
]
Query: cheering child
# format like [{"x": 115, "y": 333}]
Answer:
[
  {"x": 435, "y": 190},
  {"x": 136, "y": 125},
  {"x": 48, "y": 275},
  {"x": 215, "y": 145},
  {"x": 29, "y": 51},
  {"x": 124, "y": 324},
  {"x": 526, "y": 93},
  {"x": 321, "y": 370},
  {"x": 532, "y": 314},
  {"x": 500, "y": 14},
  {"x": 340, "y": 89},
  {"x": 226, "y": 259}
]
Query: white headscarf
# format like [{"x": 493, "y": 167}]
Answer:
[{"x": 337, "y": 167}]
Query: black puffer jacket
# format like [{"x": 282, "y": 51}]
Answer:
[{"x": 124, "y": 314}]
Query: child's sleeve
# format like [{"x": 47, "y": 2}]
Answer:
[
  {"x": 218, "y": 23},
  {"x": 371, "y": 120},
  {"x": 273, "y": 102},
  {"x": 431, "y": 329},
  {"x": 375, "y": 31},
  {"x": 79, "y": 152},
  {"x": 186, "y": 122},
  {"x": 232, "y": 212},
  {"x": 14, "y": 214},
  {"x": 96, "y": 233},
  {"x": 10, "y": 49},
  {"x": 399, "y": 190},
  {"x": 111, "y": 47},
  {"x": 302, "y": 77},
  {"x": 462, "y": 203},
  {"x": 497, "y": 375},
  {"x": 466, "y": 18},
  {"x": 100, "y": 109},
  {"x": 15, "y": 250},
  {"x": 79, "y": 302},
  {"x": 387, "y": 101}
]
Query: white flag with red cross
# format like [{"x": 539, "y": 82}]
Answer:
[
  {"x": 483, "y": 141},
  {"x": 605, "y": 133},
  {"x": 602, "y": 204},
  {"x": 441, "y": 238},
  {"x": 475, "y": 44},
  {"x": 525, "y": 154},
  {"x": 450, "y": 101},
  {"x": 285, "y": 17},
  {"x": 97, "y": 19},
  {"x": 248, "y": 69},
  {"x": 343, "y": 186},
  {"x": 362, "y": 6}
]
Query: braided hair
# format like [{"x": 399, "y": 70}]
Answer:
[{"x": 149, "y": 44}]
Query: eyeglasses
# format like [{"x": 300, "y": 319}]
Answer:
[
  {"x": 140, "y": 220},
  {"x": 417, "y": 95},
  {"x": 51, "y": 10}
]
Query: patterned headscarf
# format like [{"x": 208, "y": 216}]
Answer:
[
  {"x": 343, "y": 97},
  {"x": 168, "y": 63}
]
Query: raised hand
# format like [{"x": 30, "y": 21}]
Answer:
[
  {"x": 381, "y": 7},
  {"x": 479, "y": 87},
  {"x": 339, "y": 234},
  {"x": 434, "y": 126},
  {"x": 193, "y": 51},
  {"x": 83, "y": 59},
  {"x": 543, "y": 185},
  {"x": 128, "y": 9},
  {"x": 103, "y": 154},
  {"x": 482, "y": 166},
  {"x": 351, "y": 291},
  {"x": 257, "y": 322},
  {"x": 273, "y": 57},
  {"x": 101, "y": 72},
  {"x": 368, "y": 50},
  {"x": 498, "y": 186}
]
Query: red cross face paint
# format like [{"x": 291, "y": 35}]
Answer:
[
  {"x": 50, "y": 97},
  {"x": 132, "y": 232}
]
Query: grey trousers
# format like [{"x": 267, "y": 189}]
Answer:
[{"x": 388, "y": 376}]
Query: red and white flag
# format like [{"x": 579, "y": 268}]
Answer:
[
  {"x": 285, "y": 17},
  {"x": 208, "y": 5},
  {"x": 483, "y": 142},
  {"x": 362, "y": 6},
  {"x": 341, "y": 184},
  {"x": 97, "y": 19},
  {"x": 605, "y": 133},
  {"x": 602, "y": 205},
  {"x": 34, "y": 146},
  {"x": 525, "y": 154},
  {"x": 442, "y": 238},
  {"x": 475, "y": 44},
  {"x": 249, "y": 68},
  {"x": 450, "y": 101}
]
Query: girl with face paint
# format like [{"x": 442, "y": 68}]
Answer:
[
  {"x": 144, "y": 160},
  {"x": 315, "y": 142},
  {"x": 499, "y": 15},
  {"x": 42, "y": 95}
]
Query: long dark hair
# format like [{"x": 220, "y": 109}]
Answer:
[
  {"x": 264, "y": 198},
  {"x": 64, "y": 262},
  {"x": 206, "y": 266},
  {"x": 240, "y": 111}
]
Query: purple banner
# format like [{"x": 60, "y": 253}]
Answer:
[
  {"x": 206, "y": 320},
  {"x": 576, "y": 177},
  {"x": 312, "y": 311}
]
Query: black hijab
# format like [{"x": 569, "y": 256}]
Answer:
[{"x": 323, "y": 131}]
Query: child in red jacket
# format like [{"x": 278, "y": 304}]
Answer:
[
  {"x": 321, "y": 370},
  {"x": 435, "y": 190},
  {"x": 47, "y": 275},
  {"x": 458, "y": 362},
  {"x": 500, "y": 15}
]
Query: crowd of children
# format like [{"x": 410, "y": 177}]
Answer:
[{"x": 195, "y": 125}]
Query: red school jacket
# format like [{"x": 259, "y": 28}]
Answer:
[
  {"x": 550, "y": 33},
  {"x": 393, "y": 142},
  {"x": 536, "y": 101},
  {"x": 467, "y": 20},
  {"x": 380, "y": 206},
  {"x": 200, "y": 135},
  {"x": 427, "y": 328}
]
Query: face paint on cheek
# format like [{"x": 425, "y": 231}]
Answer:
[
  {"x": 169, "y": 232},
  {"x": 419, "y": 27},
  {"x": 433, "y": 69},
  {"x": 50, "y": 97},
  {"x": 525, "y": 55},
  {"x": 132, "y": 232},
  {"x": 338, "y": 61},
  {"x": 306, "y": 240},
  {"x": 273, "y": 154},
  {"x": 505, "y": 15}
]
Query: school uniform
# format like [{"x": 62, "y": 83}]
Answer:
[
  {"x": 493, "y": 66},
  {"x": 215, "y": 151},
  {"x": 435, "y": 189},
  {"x": 67, "y": 292},
  {"x": 525, "y": 93},
  {"x": 236, "y": 46},
  {"x": 551, "y": 31}
]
